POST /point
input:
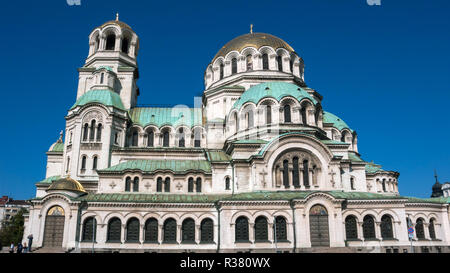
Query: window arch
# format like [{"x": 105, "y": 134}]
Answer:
[
  {"x": 261, "y": 233},
  {"x": 151, "y": 230},
  {"x": 181, "y": 140},
  {"x": 280, "y": 228},
  {"x": 159, "y": 183},
  {"x": 191, "y": 184},
  {"x": 387, "y": 231},
  {"x": 114, "y": 230},
  {"x": 420, "y": 233},
  {"x": 134, "y": 138},
  {"x": 369, "y": 227},
  {"x": 431, "y": 229},
  {"x": 241, "y": 229},
  {"x": 133, "y": 230},
  {"x": 166, "y": 139},
  {"x": 170, "y": 231},
  {"x": 287, "y": 113},
  {"x": 188, "y": 231},
  {"x": 352, "y": 183},
  {"x": 286, "y": 173},
  {"x": 92, "y": 133},
  {"x": 150, "y": 138},
  {"x": 128, "y": 184},
  {"x": 221, "y": 71},
  {"x": 102, "y": 78},
  {"x": 303, "y": 115},
  {"x": 110, "y": 42},
  {"x": 236, "y": 120},
  {"x": 136, "y": 184},
  {"x": 198, "y": 184},
  {"x": 167, "y": 185},
  {"x": 280, "y": 63},
  {"x": 99, "y": 132},
  {"x": 227, "y": 183},
  {"x": 351, "y": 228},
  {"x": 249, "y": 62},
  {"x": 268, "y": 114},
  {"x": 197, "y": 137},
  {"x": 233, "y": 66},
  {"x": 94, "y": 163},
  {"x": 83, "y": 163},
  {"x": 295, "y": 172},
  {"x": 250, "y": 119},
  {"x": 89, "y": 229},
  {"x": 306, "y": 173},
  {"x": 265, "y": 61},
  {"x": 207, "y": 231},
  {"x": 383, "y": 183},
  {"x": 125, "y": 45},
  {"x": 85, "y": 132}
]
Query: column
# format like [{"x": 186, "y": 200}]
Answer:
[
  {"x": 179, "y": 234},
  {"x": 160, "y": 234},
  {"x": 378, "y": 230},
  {"x": 251, "y": 231},
  {"x": 197, "y": 234},
  {"x": 360, "y": 230},
  {"x": 271, "y": 231},
  {"x": 141, "y": 234},
  {"x": 122, "y": 233},
  {"x": 426, "y": 230}
]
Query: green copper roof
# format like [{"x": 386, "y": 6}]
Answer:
[
  {"x": 217, "y": 156},
  {"x": 354, "y": 157},
  {"x": 105, "y": 67},
  {"x": 58, "y": 147},
  {"x": 332, "y": 142},
  {"x": 439, "y": 200},
  {"x": 159, "y": 117},
  {"x": 150, "y": 166},
  {"x": 250, "y": 141},
  {"x": 50, "y": 180},
  {"x": 372, "y": 168},
  {"x": 276, "y": 90},
  {"x": 336, "y": 121},
  {"x": 105, "y": 97}
]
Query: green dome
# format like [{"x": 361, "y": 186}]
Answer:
[
  {"x": 336, "y": 121},
  {"x": 276, "y": 90},
  {"x": 105, "y": 97}
]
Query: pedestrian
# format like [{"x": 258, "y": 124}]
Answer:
[
  {"x": 19, "y": 247},
  {"x": 25, "y": 248},
  {"x": 11, "y": 249},
  {"x": 30, "y": 241}
]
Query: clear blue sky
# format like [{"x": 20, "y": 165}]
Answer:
[{"x": 384, "y": 69}]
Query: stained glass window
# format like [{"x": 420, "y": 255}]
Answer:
[{"x": 318, "y": 210}]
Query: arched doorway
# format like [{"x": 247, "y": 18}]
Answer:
[
  {"x": 54, "y": 227},
  {"x": 318, "y": 226}
]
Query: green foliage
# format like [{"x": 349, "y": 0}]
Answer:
[{"x": 12, "y": 230}]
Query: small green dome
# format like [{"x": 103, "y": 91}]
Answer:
[
  {"x": 105, "y": 97},
  {"x": 337, "y": 122},
  {"x": 276, "y": 90}
]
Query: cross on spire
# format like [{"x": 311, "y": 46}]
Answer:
[
  {"x": 251, "y": 28},
  {"x": 436, "y": 176},
  {"x": 117, "y": 16}
]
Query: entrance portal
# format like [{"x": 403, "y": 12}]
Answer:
[
  {"x": 318, "y": 227},
  {"x": 54, "y": 227}
]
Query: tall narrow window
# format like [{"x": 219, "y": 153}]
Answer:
[
  {"x": 197, "y": 137},
  {"x": 306, "y": 173},
  {"x": 83, "y": 163},
  {"x": 114, "y": 230},
  {"x": 352, "y": 183},
  {"x": 227, "y": 183},
  {"x": 287, "y": 113},
  {"x": 128, "y": 184},
  {"x": 420, "y": 233},
  {"x": 241, "y": 229},
  {"x": 207, "y": 231},
  {"x": 221, "y": 71},
  {"x": 92, "y": 133},
  {"x": 280, "y": 228},
  {"x": 166, "y": 139},
  {"x": 150, "y": 138},
  {"x": 151, "y": 230},
  {"x": 167, "y": 185},
  {"x": 134, "y": 139},
  {"x": 188, "y": 231},
  {"x": 265, "y": 59},
  {"x": 198, "y": 185},
  {"x": 68, "y": 164},
  {"x": 295, "y": 173},
  {"x": 89, "y": 230},
  {"x": 99, "y": 132},
  {"x": 431, "y": 229},
  {"x": 102, "y": 77},
  {"x": 136, "y": 184},
  {"x": 383, "y": 183},
  {"x": 261, "y": 233},
  {"x": 133, "y": 231},
  {"x": 125, "y": 45},
  {"x": 369, "y": 227},
  {"x": 250, "y": 119},
  {"x": 191, "y": 184},
  {"x": 280, "y": 63},
  {"x": 236, "y": 120},
  {"x": 170, "y": 231},
  {"x": 233, "y": 66},
  {"x": 159, "y": 183},
  {"x": 286, "y": 173},
  {"x": 249, "y": 62},
  {"x": 181, "y": 142},
  {"x": 94, "y": 163},
  {"x": 268, "y": 114},
  {"x": 291, "y": 65},
  {"x": 351, "y": 230},
  {"x": 110, "y": 42},
  {"x": 303, "y": 114},
  {"x": 386, "y": 227}
]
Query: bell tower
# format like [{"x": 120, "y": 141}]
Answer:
[{"x": 111, "y": 63}]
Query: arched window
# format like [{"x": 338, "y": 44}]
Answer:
[
  {"x": 261, "y": 233},
  {"x": 291, "y": 65},
  {"x": 386, "y": 227},
  {"x": 99, "y": 132},
  {"x": 191, "y": 184},
  {"x": 351, "y": 229},
  {"x": 85, "y": 132},
  {"x": 280, "y": 63},
  {"x": 280, "y": 228},
  {"x": 265, "y": 60},
  {"x": 227, "y": 183},
  {"x": 383, "y": 183},
  {"x": 150, "y": 138},
  {"x": 420, "y": 233},
  {"x": 431, "y": 229},
  {"x": 167, "y": 185},
  {"x": 133, "y": 231},
  {"x": 306, "y": 173},
  {"x": 181, "y": 142},
  {"x": 286, "y": 173},
  {"x": 134, "y": 139},
  {"x": 221, "y": 71},
  {"x": 249, "y": 62},
  {"x": 114, "y": 230},
  {"x": 233, "y": 66},
  {"x": 188, "y": 231},
  {"x": 352, "y": 183},
  {"x": 170, "y": 231},
  {"x": 136, "y": 184},
  {"x": 241, "y": 229},
  {"x": 287, "y": 113},
  {"x": 207, "y": 231},
  {"x": 295, "y": 173},
  {"x": 102, "y": 78},
  {"x": 303, "y": 115},
  {"x": 110, "y": 42},
  {"x": 125, "y": 45},
  {"x": 268, "y": 114},
  {"x": 236, "y": 120},
  {"x": 250, "y": 119},
  {"x": 166, "y": 139},
  {"x": 128, "y": 184},
  {"x": 198, "y": 184},
  {"x": 94, "y": 163},
  {"x": 89, "y": 230},
  {"x": 92, "y": 133},
  {"x": 197, "y": 137},
  {"x": 151, "y": 230},
  {"x": 159, "y": 183},
  {"x": 83, "y": 163},
  {"x": 369, "y": 227}
]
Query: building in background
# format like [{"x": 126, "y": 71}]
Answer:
[{"x": 10, "y": 207}]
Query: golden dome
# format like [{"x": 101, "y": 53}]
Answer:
[
  {"x": 117, "y": 23},
  {"x": 67, "y": 184},
  {"x": 256, "y": 40}
]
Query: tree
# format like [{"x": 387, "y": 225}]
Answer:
[{"x": 12, "y": 230}]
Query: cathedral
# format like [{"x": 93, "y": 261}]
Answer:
[{"x": 257, "y": 165}]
